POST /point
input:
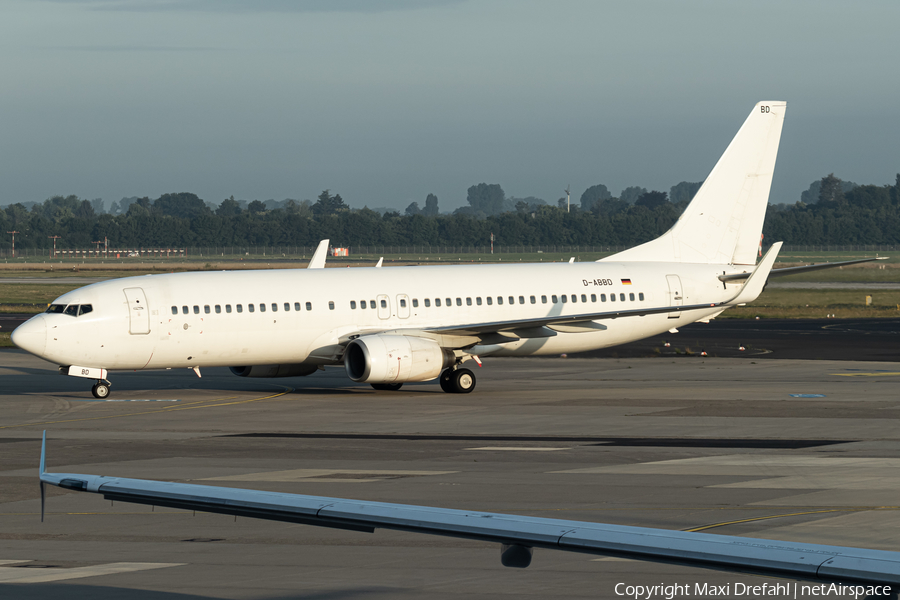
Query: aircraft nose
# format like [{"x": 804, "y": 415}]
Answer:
[{"x": 31, "y": 335}]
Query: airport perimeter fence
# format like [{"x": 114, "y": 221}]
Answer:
[{"x": 305, "y": 252}]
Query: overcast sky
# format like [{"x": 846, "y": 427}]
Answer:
[{"x": 387, "y": 101}]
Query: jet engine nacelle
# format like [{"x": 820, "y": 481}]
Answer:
[
  {"x": 395, "y": 359},
  {"x": 296, "y": 370}
]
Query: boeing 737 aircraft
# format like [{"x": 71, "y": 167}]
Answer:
[{"x": 392, "y": 326}]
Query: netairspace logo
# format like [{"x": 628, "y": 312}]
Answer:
[{"x": 735, "y": 590}]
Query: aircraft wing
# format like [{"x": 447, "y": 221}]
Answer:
[
  {"x": 517, "y": 534},
  {"x": 801, "y": 269}
]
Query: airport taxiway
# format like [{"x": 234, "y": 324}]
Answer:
[{"x": 783, "y": 449}]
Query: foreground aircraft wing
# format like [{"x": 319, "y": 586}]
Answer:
[
  {"x": 756, "y": 281},
  {"x": 801, "y": 269},
  {"x": 516, "y": 534}
]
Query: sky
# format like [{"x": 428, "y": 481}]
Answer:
[{"x": 386, "y": 101}]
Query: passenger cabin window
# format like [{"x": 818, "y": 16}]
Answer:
[
  {"x": 478, "y": 300},
  {"x": 262, "y": 307},
  {"x": 296, "y": 306},
  {"x": 583, "y": 298},
  {"x": 574, "y": 298},
  {"x": 240, "y": 308},
  {"x": 641, "y": 296},
  {"x": 196, "y": 310},
  {"x": 371, "y": 304},
  {"x": 218, "y": 309},
  {"x": 612, "y": 297},
  {"x": 631, "y": 297},
  {"x": 309, "y": 306},
  {"x": 287, "y": 306},
  {"x": 184, "y": 310},
  {"x": 403, "y": 302},
  {"x": 459, "y": 301},
  {"x": 251, "y": 307},
  {"x": 427, "y": 302},
  {"x": 415, "y": 303},
  {"x": 512, "y": 300},
  {"x": 331, "y": 305},
  {"x": 353, "y": 305},
  {"x": 593, "y": 297},
  {"x": 533, "y": 300},
  {"x": 555, "y": 299},
  {"x": 468, "y": 302},
  {"x": 206, "y": 309},
  {"x": 228, "y": 308},
  {"x": 543, "y": 299},
  {"x": 449, "y": 303},
  {"x": 490, "y": 301},
  {"x": 602, "y": 297},
  {"x": 437, "y": 301},
  {"x": 274, "y": 307},
  {"x": 384, "y": 304},
  {"x": 521, "y": 299},
  {"x": 174, "y": 310},
  {"x": 499, "y": 299},
  {"x": 622, "y": 297}
]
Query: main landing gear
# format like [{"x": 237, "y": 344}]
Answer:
[
  {"x": 387, "y": 387},
  {"x": 457, "y": 381}
]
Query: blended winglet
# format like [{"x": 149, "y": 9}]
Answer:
[
  {"x": 41, "y": 473},
  {"x": 318, "y": 259},
  {"x": 757, "y": 280}
]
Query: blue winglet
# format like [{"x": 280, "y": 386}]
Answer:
[
  {"x": 41, "y": 474},
  {"x": 43, "y": 452}
]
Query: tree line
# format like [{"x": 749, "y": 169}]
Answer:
[{"x": 830, "y": 212}]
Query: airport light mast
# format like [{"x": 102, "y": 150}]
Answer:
[
  {"x": 567, "y": 198},
  {"x": 54, "y": 238},
  {"x": 13, "y": 242}
]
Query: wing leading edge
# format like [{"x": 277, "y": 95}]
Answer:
[{"x": 517, "y": 534}]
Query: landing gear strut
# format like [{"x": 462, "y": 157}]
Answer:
[
  {"x": 100, "y": 389},
  {"x": 457, "y": 381}
]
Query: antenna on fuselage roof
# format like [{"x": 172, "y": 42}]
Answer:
[
  {"x": 318, "y": 259},
  {"x": 380, "y": 260}
]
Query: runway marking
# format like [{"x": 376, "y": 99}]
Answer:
[
  {"x": 22, "y": 574},
  {"x": 197, "y": 404},
  {"x": 752, "y": 519},
  {"x": 327, "y": 475},
  {"x": 808, "y": 396},
  {"x": 876, "y": 374},
  {"x": 131, "y": 400},
  {"x": 518, "y": 449}
]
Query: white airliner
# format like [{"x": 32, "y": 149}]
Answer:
[{"x": 391, "y": 326}]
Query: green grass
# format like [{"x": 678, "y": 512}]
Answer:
[
  {"x": 5, "y": 341},
  {"x": 30, "y": 297},
  {"x": 786, "y": 303}
]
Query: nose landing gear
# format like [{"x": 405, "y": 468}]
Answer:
[{"x": 100, "y": 389}]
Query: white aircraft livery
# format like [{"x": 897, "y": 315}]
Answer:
[{"x": 397, "y": 325}]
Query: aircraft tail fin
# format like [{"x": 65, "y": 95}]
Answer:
[{"x": 723, "y": 223}]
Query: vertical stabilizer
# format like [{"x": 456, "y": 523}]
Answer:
[{"x": 723, "y": 223}]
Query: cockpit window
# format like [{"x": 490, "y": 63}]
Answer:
[{"x": 73, "y": 310}]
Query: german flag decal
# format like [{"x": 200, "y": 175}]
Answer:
[{"x": 626, "y": 282}]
